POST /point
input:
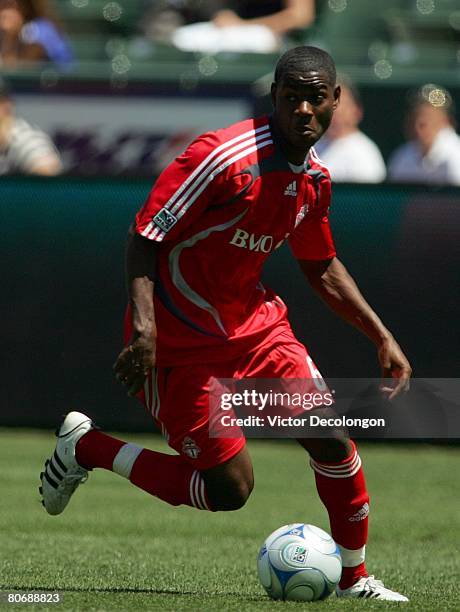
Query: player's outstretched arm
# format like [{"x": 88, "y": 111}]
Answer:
[
  {"x": 332, "y": 282},
  {"x": 138, "y": 357}
]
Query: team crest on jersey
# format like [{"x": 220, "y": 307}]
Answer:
[
  {"x": 190, "y": 448},
  {"x": 301, "y": 214},
  {"x": 165, "y": 219}
]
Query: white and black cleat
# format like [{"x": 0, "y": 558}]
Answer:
[
  {"x": 62, "y": 474},
  {"x": 368, "y": 587}
]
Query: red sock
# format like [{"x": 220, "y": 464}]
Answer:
[
  {"x": 97, "y": 450},
  {"x": 342, "y": 489},
  {"x": 168, "y": 477}
]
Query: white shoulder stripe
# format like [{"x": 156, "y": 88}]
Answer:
[
  {"x": 205, "y": 167},
  {"x": 155, "y": 233},
  {"x": 213, "y": 165},
  {"x": 214, "y": 153}
]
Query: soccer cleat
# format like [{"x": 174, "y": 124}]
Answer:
[
  {"x": 368, "y": 587},
  {"x": 62, "y": 474}
]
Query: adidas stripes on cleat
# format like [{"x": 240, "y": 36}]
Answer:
[
  {"x": 368, "y": 587},
  {"x": 62, "y": 474}
]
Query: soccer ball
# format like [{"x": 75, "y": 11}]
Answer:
[{"x": 299, "y": 562}]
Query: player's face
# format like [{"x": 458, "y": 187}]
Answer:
[{"x": 303, "y": 107}]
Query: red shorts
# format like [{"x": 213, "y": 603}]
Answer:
[{"x": 178, "y": 397}]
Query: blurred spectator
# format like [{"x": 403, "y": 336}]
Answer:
[
  {"x": 24, "y": 149},
  {"x": 246, "y": 26},
  {"x": 280, "y": 16},
  {"x": 29, "y": 32},
  {"x": 160, "y": 18},
  {"x": 432, "y": 154},
  {"x": 350, "y": 155}
]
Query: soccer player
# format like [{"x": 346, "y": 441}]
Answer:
[{"x": 197, "y": 310}]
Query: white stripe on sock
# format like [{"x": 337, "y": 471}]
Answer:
[
  {"x": 325, "y": 471},
  {"x": 203, "y": 496},
  {"x": 352, "y": 558},
  {"x": 339, "y": 467},
  {"x": 197, "y": 492},
  {"x": 125, "y": 458},
  {"x": 191, "y": 490}
]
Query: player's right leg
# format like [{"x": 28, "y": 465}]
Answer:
[{"x": 208, "y": 473}]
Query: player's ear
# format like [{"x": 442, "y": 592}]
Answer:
[
  {"x": 273, "y": 94},
  {"x": 337, "y": 92}
]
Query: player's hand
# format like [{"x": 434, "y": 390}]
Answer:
[
  {"x": 134, "y": 363},
  {"x": 394, "y": 365}
]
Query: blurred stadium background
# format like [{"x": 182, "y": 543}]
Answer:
[{"x": 128, "y": 105}]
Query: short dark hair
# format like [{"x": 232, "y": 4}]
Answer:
[{"x": 305, "y": 59}]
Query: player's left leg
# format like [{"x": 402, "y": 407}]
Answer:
[
  {"x": 342, "y": 489},
  {"x": 338, "y": 471},
  {"x": 339, "y": 476}
]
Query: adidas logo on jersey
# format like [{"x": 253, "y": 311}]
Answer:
[{"x": 291, "y": 189}]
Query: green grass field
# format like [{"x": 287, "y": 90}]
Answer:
[{"x": 116, "y": 548}]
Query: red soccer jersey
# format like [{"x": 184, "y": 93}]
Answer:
[{"x": 217, "y": 212}]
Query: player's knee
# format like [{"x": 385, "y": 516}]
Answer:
[
  {"x": 234, "y": 495},
  {"x": 230, "y": 492},
  {"x": 329, "y": 449},
  {"x": 229, "y": 485},
  {"x": 242, "y": 493}
]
